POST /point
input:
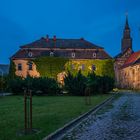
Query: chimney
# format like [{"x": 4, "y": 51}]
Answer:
[
  {"x": 54, "y": 38},
  {"x": 47, "y": 38}
]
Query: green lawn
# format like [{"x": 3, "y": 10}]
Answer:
[{"x": 49, "y": 114}]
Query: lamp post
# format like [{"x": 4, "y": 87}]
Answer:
[{"x": 1, "y": 80}]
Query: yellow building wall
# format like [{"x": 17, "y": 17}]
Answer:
[{"x": 25, "y": 70}]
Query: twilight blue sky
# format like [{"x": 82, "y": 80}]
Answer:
[{"x": 99, "y": 21}]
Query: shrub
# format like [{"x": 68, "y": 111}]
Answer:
[
  {"x": 75, "y": 85},
  {"x": 45, "y": 85},
  {"x": 92, "y": 82},
  {"x": 101, "y": 84},
  {"x": 39, "y": 86},
  {"x": 3, "y": 83},
  {"x": 16, "y": 85}
]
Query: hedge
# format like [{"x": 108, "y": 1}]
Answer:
[
  {"x": 39, "y": 86},
  {"x": 78, "y": 84}
]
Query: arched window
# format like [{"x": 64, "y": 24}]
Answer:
[{"x": 73, "y": 54}]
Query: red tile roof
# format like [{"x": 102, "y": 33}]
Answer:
[
  {"x": 61, "y": 43},
  {"x": 61, "y": 48},
  {"x": 80, "y": 54},
  {"x": 132, "y": 59}
]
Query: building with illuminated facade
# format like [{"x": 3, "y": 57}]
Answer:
[
  {"x": 127, "y": 63},
  {"x": 77, "y": 50}
]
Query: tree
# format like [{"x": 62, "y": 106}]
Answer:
[{"x": 75, "y": 85}]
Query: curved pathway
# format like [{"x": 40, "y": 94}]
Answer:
[{"x": 120, "y": 120}]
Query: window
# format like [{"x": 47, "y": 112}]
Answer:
[
  {"x": 73, "y": 55},
  {"x": 125, "y": 74},
  {"x": 72, "y": 66},
  {"x": 94, "y": 55},
  {"x": 133, "y": 71},
  {"x": 30, "y": 66},
  {"x": 19, "y": 66},
  {"x": 51, "y": 53},
  {"x": 93, "y": 67},
  {"x": 83, "y": 67},
  {"x": 30, "y": 54}
]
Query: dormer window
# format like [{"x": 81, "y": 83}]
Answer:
[
  {"x": 51, "y": 53},
  {"x": 94, "y": 55},
  {"x": 30, "y": 54},
  {"x": 73, "y": 54}
]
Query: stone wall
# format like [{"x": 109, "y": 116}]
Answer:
[
  {"x": 130, "y": 77},
  {"x": 119, "y": 62}
]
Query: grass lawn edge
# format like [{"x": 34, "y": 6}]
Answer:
[{"x": 77, "y": 120}]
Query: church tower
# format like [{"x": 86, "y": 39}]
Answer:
[
  {"x": 126, "y": 51},
  {"x": 126, "y": 40}
]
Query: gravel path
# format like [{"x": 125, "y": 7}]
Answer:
[
  {"x": 5, "y": 94},
  {"x": 120, "y": 120}
]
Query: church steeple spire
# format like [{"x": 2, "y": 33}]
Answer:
[
  {"x": 126, "y": 23},
  {"x": 126, "y": 40}
]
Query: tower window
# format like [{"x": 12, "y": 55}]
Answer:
[
  {"x": 19, "y": 66},
  {"x": 73, "y": 55}
]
